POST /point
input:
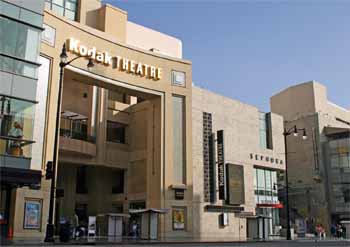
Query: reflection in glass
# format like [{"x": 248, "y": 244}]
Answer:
[{"x": 16, "y": 126}]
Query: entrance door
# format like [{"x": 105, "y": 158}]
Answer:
[{"x": 5, "y": 200}]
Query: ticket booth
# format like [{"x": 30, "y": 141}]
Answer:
[
  {"x": 149, "y": 221},
  {"x": 111, "y": 224}
]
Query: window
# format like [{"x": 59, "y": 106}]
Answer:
[
  {"x": 265, "y": 130},
  {"x": 20, "y": 41},
  {"x": 116, "y": 132},
  {"x": 67, "y": 8},
  {"x": 179, "y": 154},
  {"x": 137, "y": 205},
  {"x": 81, "y": 185},
  {"x": 19, "y": 48},
  {"x": 49, "y": 35},
  {"x": 265, "y": 186},
  {"x": 119, "y": 97},
  {"x": 16, "y": 126},
  {"x": 22, "y": 14},
  {"x": 178, "y": 78},
  {"x": 118, "y": 182},
  {"x": 339, "y": 150}
]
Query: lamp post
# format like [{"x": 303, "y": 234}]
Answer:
[
  {"x": 294, "y": 130},
  {"x": 49, "y": 236}
]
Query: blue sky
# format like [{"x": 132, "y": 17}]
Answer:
[{"x": 250, "y": 50}]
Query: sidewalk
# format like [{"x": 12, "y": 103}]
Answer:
[{"x": 133, "y": 241}]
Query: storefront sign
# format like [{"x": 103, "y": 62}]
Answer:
[
  {"x": 221, "y": 165},
  {"x": 266, "y": 158},
  {"x": 235, "y": 184},
  {"x": 117, "y": 62}
]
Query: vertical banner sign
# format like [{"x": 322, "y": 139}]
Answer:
[{"x": 221, "y": 165}]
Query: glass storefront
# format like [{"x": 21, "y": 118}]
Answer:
[
  {"x": 265, "y": 187},
  {"x": 337, "y": 151}
]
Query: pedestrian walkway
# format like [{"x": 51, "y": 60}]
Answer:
[{"x": 133, "y": 241}]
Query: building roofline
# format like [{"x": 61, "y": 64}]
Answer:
[{"x": 111, "y": 39}]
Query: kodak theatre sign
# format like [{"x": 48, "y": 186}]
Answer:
[{"x": 117, "y": 62}]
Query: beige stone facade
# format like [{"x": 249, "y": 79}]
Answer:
[
  {"x": 319, "y": 166},
  {"x": 240, "y": 123},
  {"x": 139, "y": 99},
  {"x": 131, "y": 132}
]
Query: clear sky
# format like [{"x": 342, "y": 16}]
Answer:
[{"x": 250, "y": 50}]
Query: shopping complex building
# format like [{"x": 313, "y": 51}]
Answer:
[
  {"x": 319, "y": 167},
  {"x": 23, "y": 92},
  {"x": 134, "y": 134},
  {"x": 235, "y": 192}
]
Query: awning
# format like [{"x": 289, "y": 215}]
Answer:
[
  {"x": 20, "y": 177},
  {"x": 334, "y": 130},
  {"x": 73, "y": 116},
  {"x": 149, "y": 210},
  {"x": 115, "y": 215},
  {"x": 269, "y": 205}
]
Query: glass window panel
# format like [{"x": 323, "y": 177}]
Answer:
[
  {"x": 263, "y": 139},
  {"x": 6, "y": 64},
  {"x": 71, "y": 5},
  {"x": 17, "y": 120},
  {"x": 178, "y": 78},
  {"x": 7, "y": 44},
  {"x": 31, "y": 17},
  {"x": 9, "y": 9},
  {"x": 268, "y": 180},
  {"x": 274, "y": 179},
  {"x": 116, "y": 132},
  {"x": 344, "y": 161},
  {"x": 70, "y": 14},
  {"x": 334, "y": 161},
  {"x": 32, "y": 41},
  {"x": 58, "y": 2},
  {"x": 179, "y": 157},
  {"x": 261, "y": 179},
  {"x": 255, "y": 178},
  {"x": 26, "y": 69},
  {"x": 57, "y": 9}
]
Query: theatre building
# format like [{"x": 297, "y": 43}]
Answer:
[
  {"x": 125, "y": 123},
  {"x": 238, "y": 154}
]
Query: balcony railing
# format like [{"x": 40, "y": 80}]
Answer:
[{"x": 78, "y": 135}]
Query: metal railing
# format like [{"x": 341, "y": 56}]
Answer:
[{"x": 78, "y": 135}]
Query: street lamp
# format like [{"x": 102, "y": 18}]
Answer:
[
  {"x": 49, "y": 237},
  {"x": 294, "y": 130}
]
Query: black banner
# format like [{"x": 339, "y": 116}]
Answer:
[{"x": 221, "y": 165}]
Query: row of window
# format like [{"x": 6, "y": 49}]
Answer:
[
  {"x": 19, "y": 48},
  {"x": 21, "y": 14},
  {"x": 339, "y": 151},
  {"x": 67, "y": 8},
  {"x": 265, "y": 186}
]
